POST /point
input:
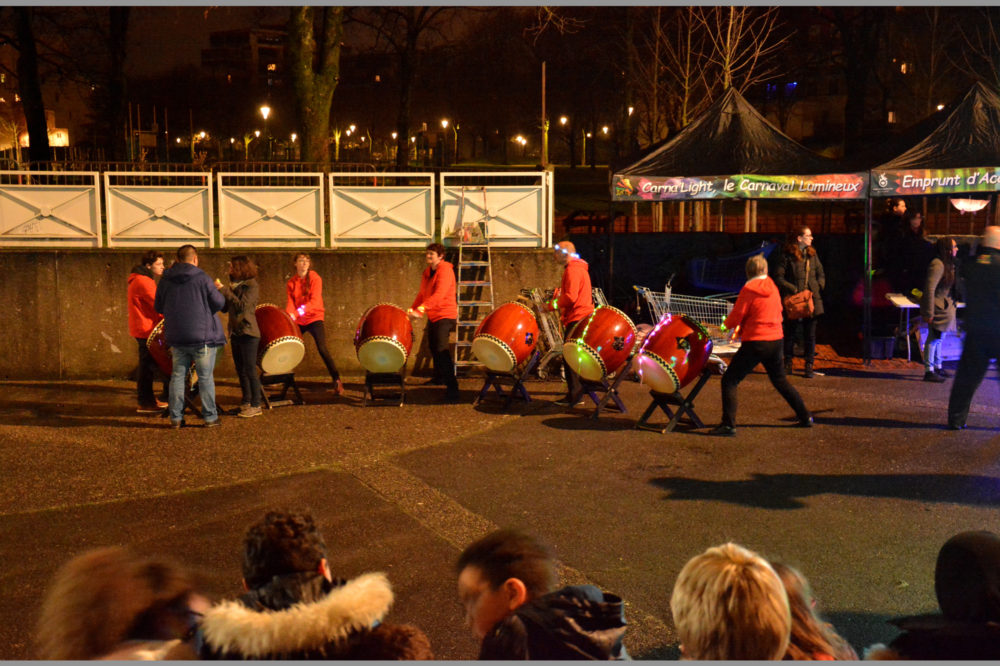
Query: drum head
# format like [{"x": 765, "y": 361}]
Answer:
[
  {"x": 494, "y": 353},
  {"x": 281, "y": 356},
  {"x": 382, "y": 354},
  {"x": 584, "y": 360},
  {"x": 657, "y": 374}
]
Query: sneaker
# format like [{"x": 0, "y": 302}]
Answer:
[
  {"x": 177, "y": 424},
  {"x": 213, "y": 424},
  {"x": 566, "y": 402},
  {"x": 249, "y": 412},
  {"x": 933, "y": 377},
  {"x": 956, "y": 426},
  {"x": 148, "y": 409},
  {"x": 236, "y": 411},
  {"x": 807, "y": 422},
  {"x": 941, "y": 372},
  {"x": 722, "y": 430}
]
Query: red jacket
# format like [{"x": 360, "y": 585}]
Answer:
[
  {"x": 142, "y": 317},
  {"x": 576, "y": 301},
  {"x": 299, "y": 296},
  {"x": 437, "y": 293},
  {"x": 757, "y": 311}
]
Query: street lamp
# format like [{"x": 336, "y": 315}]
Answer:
[{"x": 265, "y": 111}]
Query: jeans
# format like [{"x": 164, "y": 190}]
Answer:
[
  {"x": 932, "y": 350},
  {"x": 746, "y": 359},
  {"x": 203, "y": 358},
  {"x": 438, "y": 333},
  {"x": 245, "y": 359}
]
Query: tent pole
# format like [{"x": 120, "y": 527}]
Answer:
[
  {"x": 866, "y": 320},
  {"x": 611, "y": 249}
]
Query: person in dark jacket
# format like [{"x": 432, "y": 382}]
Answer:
[
  {"x": 967, "y": 585},
  {"x": 982, "y": 321},
  {"x": 507, "y": 581},
  {"x": 294, "y": 609},
  {"x": 189, "y": 300},
  {"x": 800, "y": 269},
  {"x": 937, "y": 306},
  {"x": 241, "y": 297},
  {"x": 142, "y": 319},
  {"x": 912, "y": 255}
]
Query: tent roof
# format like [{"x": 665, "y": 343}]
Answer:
[
  {"x": 730, "y": 137},
  {"x": 968, "y": 137}
]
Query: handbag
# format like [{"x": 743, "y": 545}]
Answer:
[{"x": 800, "y": 305}]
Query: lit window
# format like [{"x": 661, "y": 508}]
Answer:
[
  {"x": 229, "y": 78},
  {"x": 271, "y": 67},
  {"x": 17, "y": 98},
  {"x": 378, "y": 78},
  {"x": 892, "y": 117},
  {"x": 904, "y": 68}
]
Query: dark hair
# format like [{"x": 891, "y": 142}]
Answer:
[
  {"x": 908, "y": 224},
  {"x": 186, "y": 253},
  {"x": 436, "y": 248},
  {"x": 508, "y": 554},
  {"x": 281, "y": 543},
  {"x": 149, "y": 257},
  {"x": 241, "y": 267},
  {"x": 792, "y": 245},
  {"x": 895, "y": 201},
  {"x": 307, "y": 287}
]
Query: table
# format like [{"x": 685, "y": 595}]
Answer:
[{"x": 905, "y": 304}]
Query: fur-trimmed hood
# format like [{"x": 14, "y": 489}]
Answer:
[{"x": 322, "y": 626}]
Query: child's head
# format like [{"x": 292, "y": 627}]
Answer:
[
  {"x": 728, "y": 603},
  {"x": 282, "y": 543},
  {"x": 498, "y": 573}
]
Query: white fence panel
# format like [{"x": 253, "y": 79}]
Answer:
[
  {"x": 147, "y": 208},
  {"x": 271, "y": 210},
  {"x": 50, "y": 209},
  {"x": 382, "y": 210},
  {"x": 519, "y": 214}
]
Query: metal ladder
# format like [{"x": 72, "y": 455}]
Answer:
[{"x": 475, "y": 288}]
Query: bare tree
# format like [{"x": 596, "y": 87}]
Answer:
[
  {"x": 742, "y": 41},
  {"x": 980, "y": 38},
  {"x": 30, "y": 86},
  {"x": 314, "y": 61}
]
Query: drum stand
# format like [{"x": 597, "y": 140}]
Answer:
[
  {"x": 685, "y": 404},
  {"x": 287, "y": 381},
  {"x": 497, "y": 380},
  {"x": 610, "y": 391},
  {"x": 384, "y": 379}
]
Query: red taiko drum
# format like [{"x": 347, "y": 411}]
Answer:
[
  {"x": 674, "y": 353},
  {"x": 281, "y": 347},
  {"x": 384, "y": 338},
  {"x": 156, "y": 343},
  {"x": 599, "y": 345},
  {"x": 506, "y": 337}
]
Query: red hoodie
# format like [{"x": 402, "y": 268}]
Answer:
[
  {"x": 576, "y": 301},
  {"x": 142, "y": 317},
  {"x": 437, "y": 293},
  {"x": 311, "y": 298},
  {"x": 757, "y": 311}
]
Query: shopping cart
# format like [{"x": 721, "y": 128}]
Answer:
[
  {"x": 550, "y": 341},
  {"x": 709, "y": 311}
]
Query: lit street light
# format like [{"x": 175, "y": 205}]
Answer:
[{"x": 265, "y": 111}]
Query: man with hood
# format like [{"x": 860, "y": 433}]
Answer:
[
  {"x": 294, "y": 609},
  {"x": 142, "y": 319},
  {"x": 507, "y": 583},
  {"x": 575, "y": 302},
  {"x": 188, "y": 299},
  {"x": 757, "y": 315},
  {"x": 981, "y": 322}
]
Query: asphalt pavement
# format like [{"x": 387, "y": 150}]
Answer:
[{"x": 860, "y": 503}]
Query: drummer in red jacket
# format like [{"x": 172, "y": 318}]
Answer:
[
  {"x": 437, "y": 299},
  {"x": 142, "y": 319},
  {"x": 757, "y": 313},
  {"x": 575, "y": 303},
  {"x": 305, "y": 305}
]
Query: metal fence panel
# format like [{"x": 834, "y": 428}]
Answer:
[
  {"x": 50, "y": 209},
  {"x": 271, "y": 210},
  {"x": 146, "y": 208},
  {"x": 382, "y": 210},
  {"x": 517, "y": 205}
]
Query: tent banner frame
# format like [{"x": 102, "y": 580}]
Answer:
[
  {"x": 821, "y": 187},
  {"x": 921, "y": 182}
]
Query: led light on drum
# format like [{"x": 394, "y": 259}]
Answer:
[
  {"x": 601, "y": 344},
  {"x": 674, "y": 353},
  {"x": 281, "y": 346},
  {"x": 506, "y": 337}
]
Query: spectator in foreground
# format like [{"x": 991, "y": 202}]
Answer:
[
  {"x": 728, "y": 603},
  {"x": 812, "y": 638},
  {"x": 294, "y": 609},
  {"x": 507, "y": 583},
  {"x": 967, "y": 585},
  {"x": 109, "y": 603}
]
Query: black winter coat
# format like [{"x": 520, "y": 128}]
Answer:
[
  {"x": 790, "y": 276},
  {"x": 982, "y": 292}
]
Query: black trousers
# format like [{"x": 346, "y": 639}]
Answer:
[
  {"x": 245, "y": 359},
  {"x": 977, "y": 350},
  {"x": 768, "y": 352},
  {"x": 146, "y": 374},
  {"x": 791, "y": 328},
  {"x": 573, "y": 384},
  {"x": 318, "y": 331},
  {"x": 438, "y": 339}
]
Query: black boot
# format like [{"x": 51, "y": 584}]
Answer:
[
  {"x": 808, "y": 373},
  {"x": 788, "y": 365}
]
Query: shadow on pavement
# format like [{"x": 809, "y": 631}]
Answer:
[
  {"x": 582, "y": 421},
  {"x": 870, "y": 422},
  {"x": 786, "y": 491},
  {"x": 870, "y": 374}
]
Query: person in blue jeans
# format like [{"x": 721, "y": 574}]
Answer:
[{"x": 188, "y": 299}]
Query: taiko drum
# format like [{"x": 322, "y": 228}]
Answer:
[
  {"x": 601, "y": 344},
  {"x": 156, "y": 343},
  {"x": 281, "y": 347},
  {"x": 506, "y": 337},
  {"x": 674, "y": 353},
  {"x": 384, "y": 338}
]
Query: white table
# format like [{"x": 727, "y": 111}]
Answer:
[{"x": 905, "y": 304}]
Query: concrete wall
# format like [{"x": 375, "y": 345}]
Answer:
[{"x": 66, "y": 313}]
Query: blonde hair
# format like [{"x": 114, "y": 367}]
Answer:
[
  {"x": 810, "y": 635},
  {"x": 728, "y": 603},
  {"x": 756, "y": 265}
]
